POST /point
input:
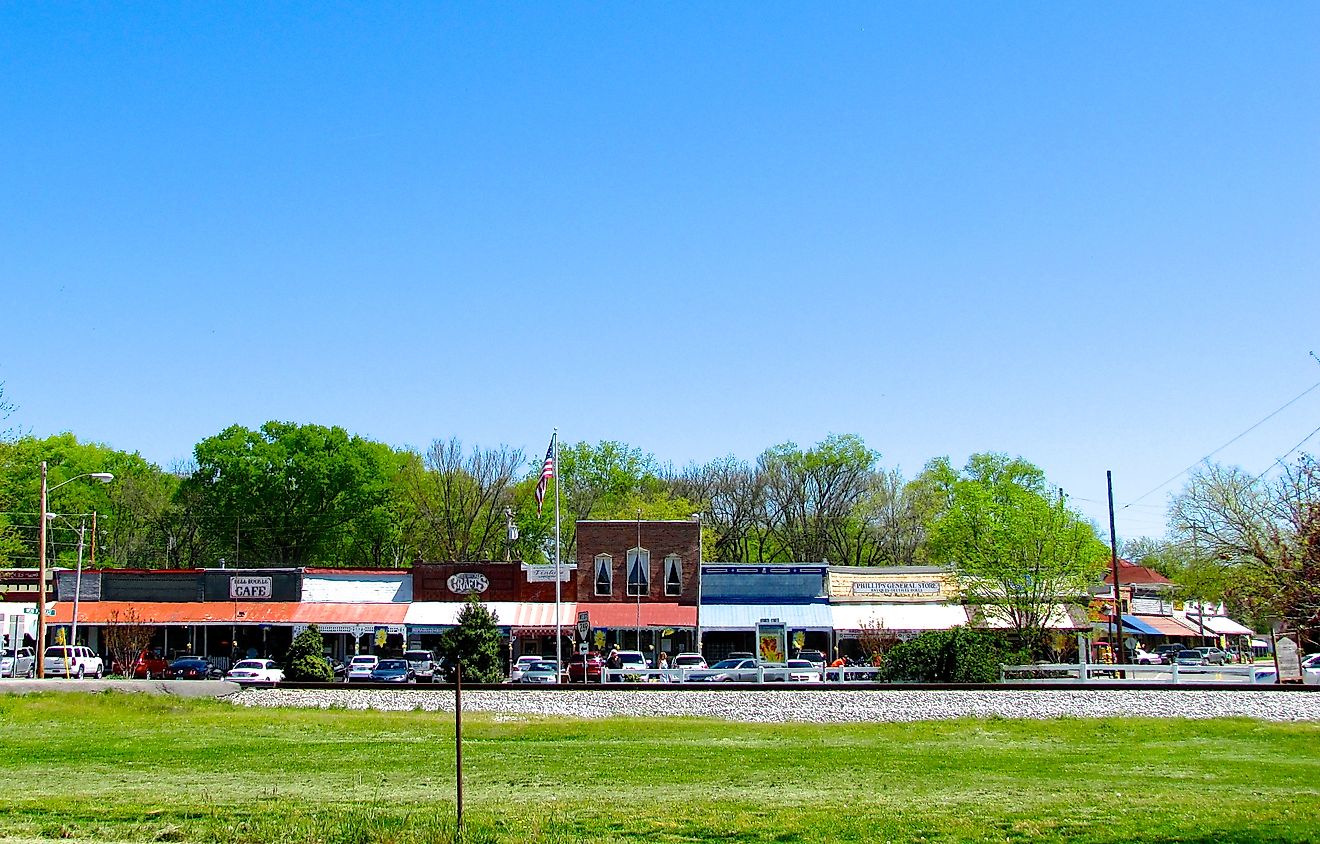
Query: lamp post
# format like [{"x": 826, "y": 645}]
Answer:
[
  {"x": 697, "y": 516},
  {"x": 101, "y": 477},
  {"x": 77, "y": 584}
]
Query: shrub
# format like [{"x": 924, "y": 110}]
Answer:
[
  {"x": 959, "y": 655},
  {"x": 305, "y": 660},
  {"x": 476, "y": 642}
]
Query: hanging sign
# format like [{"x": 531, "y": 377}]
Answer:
[{"x": 545, "y": 573}]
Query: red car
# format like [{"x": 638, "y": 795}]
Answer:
[
  {"x": 149, "y": 665},
  {"x": 590, "y": 666}
]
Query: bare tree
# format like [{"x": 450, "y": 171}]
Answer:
[
  {"x": 1264, "y": 533},
  {"x": 811, "y": 495},
  {"x": 460, "y": 498},
  {"x": 126, "y": 636}
]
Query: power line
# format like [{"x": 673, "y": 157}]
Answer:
[
  {"x": 1276, "y": 412},
  {"x": 1286, "y": 455}
]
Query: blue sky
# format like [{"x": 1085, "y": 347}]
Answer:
[{"x": 1086, "y": 234}]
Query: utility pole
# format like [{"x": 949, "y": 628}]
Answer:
[
  {"x": 1117, "y": 617},
  {"x": 41, "y": 582}
]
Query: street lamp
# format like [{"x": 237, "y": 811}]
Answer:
[
  {"x": 100, "y": 477},
  {"x": 77, "y": 584}
]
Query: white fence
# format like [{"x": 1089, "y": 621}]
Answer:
[
  {"x": 762, "y": 674},
  {"x": 1063, "y": 672}
]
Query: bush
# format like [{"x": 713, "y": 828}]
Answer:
[
  {"x": 959, "y": 655},
  {"x": 305, "y": 660}
]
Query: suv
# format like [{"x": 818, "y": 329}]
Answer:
[
  {"x": 20, "y": 663},
  {"x": 422, "y": 664},
  {"x": 816, "y": 658},
  {"x": 72, "y": 661},
  {"x": 1168, "y": 652},
  {"x": 690, "y": 661}
]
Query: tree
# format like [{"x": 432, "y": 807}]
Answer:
[
  {"x": 811, "y": 497},
  {"x": 288, "y": 494},
  {"x": 305, "y": 660},
  {"x": 1019, "y": 552},
  {"x": 1263, "y": 535},
  {"x": 476, "y": 643},
  {"x": 126, "y": 636},
  {"x": 460, "y": 497}
]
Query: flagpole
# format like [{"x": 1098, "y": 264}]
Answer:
[{"x": 559, "y": 632}]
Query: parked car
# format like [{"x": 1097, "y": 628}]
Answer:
[
  {"x": 1190, "y": 657},
  {"x": 192, "y": 668},
  {"x": 149, "y": 664},
  {"x": 585, "y": 668},
  {"x": 540, "y": 672},
  {"x": 360, "y": 667},
  {"x": 803, "y": 671},
  {"x": 254, "y": 671},
  {"x": 816, "y": 658},
  {"x": 1143, "y": 657},
  {"x": 741, "y": 655},
  {"x": 1213, "y": 656},
  {"x": 690, "y": 661},
  {"x": 632, "y": 661},
  {"x": 1311, "y": 670},
  {"x": 72, "y": 661},
  {"x": 422, "y": 664},
  {"x": 1168, "y": 652},
  {"x": 393, "y": 671},
  {"x": 523, "y": 662},
  {"x": 20, "y": 663},
  {"x": 727, "y": 671}
]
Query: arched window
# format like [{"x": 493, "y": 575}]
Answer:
[
  {"x": 604, "y": 574},
  {"x": 673, "y": 575},
  {"x": 639, "y": 572}
]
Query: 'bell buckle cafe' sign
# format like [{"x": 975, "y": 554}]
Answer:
[{"x": 249, "y": 588}]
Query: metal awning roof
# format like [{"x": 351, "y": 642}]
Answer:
[
  {"x": 227, "y": 612},
  {"x": 657, "y": 615},
  {"x": 745, "y": 616}
]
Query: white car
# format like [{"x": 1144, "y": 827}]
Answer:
[
  {"x": 1311, "y": 670},
  {"x": 690, "y": 661},
  {"x": 520, "y": 667},
  {"x": 22, "y": 663},
  {"x": 803, "y": 671},
  {"x": 72, "y": 661},
  {"x": 1143, "y": 657},
  {"x": 255, "y": 671},
  {"x": 360, "y": 667}
]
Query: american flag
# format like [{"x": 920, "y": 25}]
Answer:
[{"x": 547, "y": 472}]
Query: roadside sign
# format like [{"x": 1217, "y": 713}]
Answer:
[
  {"x": 29, "y": 610},
  {"x": 582, "y": 648},
  {"x": 584, "y": 625}
]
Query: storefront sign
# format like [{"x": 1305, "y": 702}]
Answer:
[
  {"x": 771, "y": 640},
  {"x": 546, "y": 573},
  {"x": 897, "y": 588},
  {"x": 250, "y": 588},
  {"x": 468, "y": 583}
]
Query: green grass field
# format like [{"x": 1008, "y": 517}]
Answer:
[{"x": 120, "y": 767}]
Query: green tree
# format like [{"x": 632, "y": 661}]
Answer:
[
  {"x": 1018, "y": 550},
  {"x": 288, "y": 494},
  {"x": 475, "y": 642},
  {"x": 960, "y": 655},
  {"x": 305, "y": 660},
  {"x": 812, "y": 497}
]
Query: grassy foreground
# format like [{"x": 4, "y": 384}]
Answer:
[{"x": 131, "y": 767}]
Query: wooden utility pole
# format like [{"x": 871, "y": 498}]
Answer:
[{"x": 1116, "y": 645}]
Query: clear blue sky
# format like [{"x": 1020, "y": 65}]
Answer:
[{"x": 1086, "y": 234}]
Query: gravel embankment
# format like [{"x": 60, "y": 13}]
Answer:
[{"x": 818, "y": 705}]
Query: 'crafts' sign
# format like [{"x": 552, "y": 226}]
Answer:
[{"x": 468, "y": 583}]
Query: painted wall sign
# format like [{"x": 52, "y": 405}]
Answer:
[
  {"x": 467, "y": 583},
  {"x": 545, "y": 573},
  {"x": 250, "y": 588},
  {"x": 905, "y": 588}
]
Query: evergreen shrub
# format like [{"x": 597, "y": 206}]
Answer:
[{"x": 305, "y": 660}]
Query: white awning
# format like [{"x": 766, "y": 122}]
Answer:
[
  {"x": 897, "y": 617},
  {"x": 1219, "y": 625},
  {"x": 515, "y": 615},
  {"x": 745, "y": 616}
]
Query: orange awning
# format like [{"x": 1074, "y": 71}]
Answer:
[{"x": 228, "y": 612}]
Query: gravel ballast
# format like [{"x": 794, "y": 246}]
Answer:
[{"x": 818, "y": 706}]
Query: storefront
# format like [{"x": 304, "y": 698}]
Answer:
[
  {"x": 873, "y": 608},
  {"x": 735, "y": 598}
]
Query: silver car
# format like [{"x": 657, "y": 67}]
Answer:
[
  {"x": 20, "y": 663},
  {"x": 726, "y": 671}
]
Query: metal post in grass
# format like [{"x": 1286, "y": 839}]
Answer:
[{"x": 458, "y": 745}]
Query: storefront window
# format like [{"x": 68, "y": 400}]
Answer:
[
  {"x": 673, "y": 575},
  {"x": 639, "y": 572}
]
